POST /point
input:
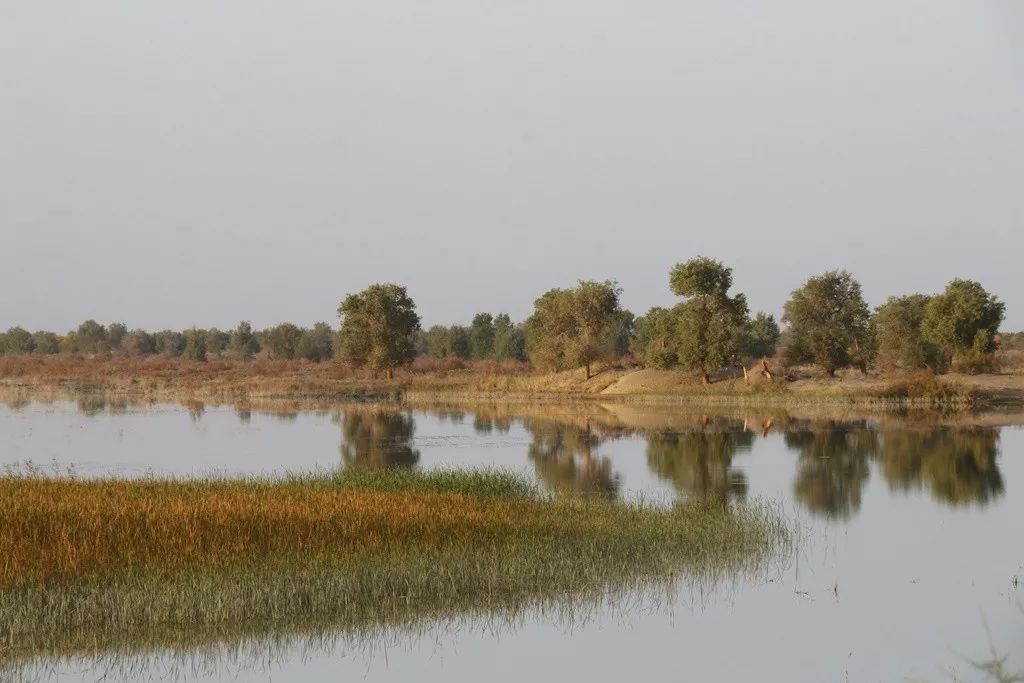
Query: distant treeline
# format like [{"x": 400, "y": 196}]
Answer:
[
  {"x": 827, "y": 322},
  {"x": 242, "y": 343}
]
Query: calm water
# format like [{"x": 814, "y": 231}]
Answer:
[{"x": 910, "y": 567}]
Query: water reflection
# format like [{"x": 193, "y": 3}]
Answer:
[
  {"x": 377, "y": 437},
  {"x": 567, "y": 446},
  {"x": 957, "y": 466},
  {"x": 698, "y": 462},
  {"x": 565, "y": 459},
  {"x": 833, "y": 465}
]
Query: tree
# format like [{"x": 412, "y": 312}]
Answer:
[
  {"x": 481, "y": 336},
  {"x": 509, "y": 340},
  {"x": 963, "y": 321},
  {"x": 139, "y": 343},
  {"x": 45, "y": 343},
  {"x": 829, "y": 323},
  {"x": 115, "y": 335},
  {"x": 195, "y": 345},
  {"x": 284, "y": 339},
  {"x": 243, "y": 345},
  {"x": 760, "y": 336},
  {"x": 653, "y": 342},
  {"x": 710, "y": 322},
  {"x": 316, "y": 344},
  {"x": 378, "y": 328},
  {"x": 216, "y": 342},
  {"x": 444, "y": 342},
  {"x": 170, "y": 343},
  {"x": 901, "y": 342},
  {"x": 17, "y": 341},
  {"x": 574, "y": 327},
  {"x": 91, "y": 337}
]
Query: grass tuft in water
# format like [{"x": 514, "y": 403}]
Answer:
[{"x": 136, "y": 561}]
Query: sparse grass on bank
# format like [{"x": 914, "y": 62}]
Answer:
[
  {"x": 159, "y": 378},
  {"x": 91, "y": 563}
]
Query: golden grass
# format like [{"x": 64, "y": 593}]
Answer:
[{"x": 85, "y": 564}]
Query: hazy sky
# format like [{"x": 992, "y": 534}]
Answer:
[{"x": 184, "y": 163}]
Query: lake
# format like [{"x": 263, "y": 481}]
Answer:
[{"x": 908, "y": 567}]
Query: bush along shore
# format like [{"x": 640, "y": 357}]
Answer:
[{"x": 94, "y": 565}]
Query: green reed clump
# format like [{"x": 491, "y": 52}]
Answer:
[
  {"x": 482, "y": 483},
  {"x": 91, "y": 562}
]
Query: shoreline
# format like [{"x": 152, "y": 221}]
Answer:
[{"x": 227, "y": 381}]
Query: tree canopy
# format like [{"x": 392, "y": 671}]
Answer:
[
  {"x": 709, "y": 322},
  {"x": 378, "y": 327},
  {"x": 901, "y": 343},
  {"x": 575, "y": 327},
  {"x": 963, "y": 321},
  {"x": 829, "y": 323}
]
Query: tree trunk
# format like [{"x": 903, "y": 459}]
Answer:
[
  {"x": 588, "y": 370},
  {"x": 705, "y": 378},
  {"x": 746, "y": 380},
  {"x": 764, "y": 369},
  {"x": 390, "y": 373}
]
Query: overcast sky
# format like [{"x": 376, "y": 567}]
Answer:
[{"x": 185, "y": 163}]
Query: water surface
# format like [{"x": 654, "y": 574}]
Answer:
[{"x": 909, "y": 568}]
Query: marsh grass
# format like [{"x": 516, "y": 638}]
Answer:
[{"x": 90, "y": 565}]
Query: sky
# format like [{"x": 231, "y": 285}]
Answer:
[{"x": 198, "y": 163}]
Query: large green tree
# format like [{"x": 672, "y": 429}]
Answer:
[
  {"x": 243, "y": 344},
  {"x": 709, "y": 322},
  {"x": 653, "y": 341},
  {"x": 316, "y": 344},
  {"x": 17, "y": 341},
  {"x": 91, "y": 337},
  {"x": 481, "y": 336},
  {"x": 829, "y": 323},
  {"x": 963, "y": 321},
  {"x": 45, "y": 343},
  {"x": 509, "y": 340},
  {"x": 901, "y": 343},
  {"x": 195, "y": 345},
  {"x": 284, "y": 339},
  {"x": 378, "y": 328},
  {"x": 760, "y": 336},
  {"x": 575, "y": 327}
]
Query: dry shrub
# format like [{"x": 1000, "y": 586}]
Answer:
[
  {"x": 983, "y": 364},
  {"x": 923, "y": 385},
  {"x": 1011, "y": 361}
]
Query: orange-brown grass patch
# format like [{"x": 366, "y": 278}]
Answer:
[
  {"x": 92, "y": 565},
  {"x": 52, "y": 528}
]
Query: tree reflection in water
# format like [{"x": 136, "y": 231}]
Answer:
[
  {"x": 565, "y": 459},
  {"x": 377, "y": 437},
  {"x": 698, "y": 461},
  {"x": 956, "y": 465},
  {"x": 833, "y": 466}
]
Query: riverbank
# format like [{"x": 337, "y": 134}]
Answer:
[
  {"x": 176, "y": 379},
  {"x": 95, "y": 564}
]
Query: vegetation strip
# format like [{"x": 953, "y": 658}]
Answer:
[{"x": 94, "y": 561}]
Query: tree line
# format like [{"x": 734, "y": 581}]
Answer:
[
  {"x": 827, "y": 323},
  {"x": 242, "y": 343}
]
